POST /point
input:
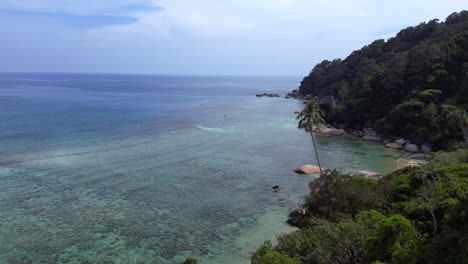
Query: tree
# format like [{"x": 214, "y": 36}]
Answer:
[
  {"x": 311, "y": 115},
  {"x": 267, "y": 255}
]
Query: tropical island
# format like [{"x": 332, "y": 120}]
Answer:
[{"x": 410, "y": 89}]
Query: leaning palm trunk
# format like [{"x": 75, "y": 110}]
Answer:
[
  {"x": 315, "y": 148},
  {"x": 310, "y": 115}
]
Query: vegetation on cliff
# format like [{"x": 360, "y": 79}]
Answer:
[
  {"x": 414, "y": 215},
  {"x": 414, "y": 85}
]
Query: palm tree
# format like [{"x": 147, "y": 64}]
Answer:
[{"x": 311, "y": 115}]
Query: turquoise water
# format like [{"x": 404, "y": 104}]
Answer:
[{"x": 153, "y": 169}]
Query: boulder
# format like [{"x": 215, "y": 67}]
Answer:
[
  {"x": 412, "y": 148},
  {"x": 276, "y": 188},
  {"x": 386, "y": 141},
  {"x": 394, "y": 146},
  {"x": 333, "y": 131},
  {"x": 426, "y": 149},
  {"x": 370, "y": 132},
  {"x": 401, "y": 141},
  {"x": 372, "y": 138},
  {"x": 357, "y": 133},
  {"x": 330, "y": 130},
  {"x": 297, "y": 216},
  {"x": 307, "y": 169}
]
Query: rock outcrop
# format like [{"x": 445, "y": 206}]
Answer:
[
  {"x": 412, "y": 148},
  {"x": 267, "y": 95},
  {"x": 401, "y": 141},
  {"x": 394, "y": 146},
  {"x": 371, "y": 135},
  {"x": 307, "y": 169}
]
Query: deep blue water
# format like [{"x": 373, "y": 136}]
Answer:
[{"x": 153, "y": 169}]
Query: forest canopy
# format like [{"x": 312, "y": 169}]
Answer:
[{"x": 413, "y": 85}]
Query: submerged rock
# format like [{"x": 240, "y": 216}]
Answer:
[
  {"x": 276, "y": 188},
  {"x": 307, "y": 169}
]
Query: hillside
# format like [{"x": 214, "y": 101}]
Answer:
[{"x": 413, "y": 85}]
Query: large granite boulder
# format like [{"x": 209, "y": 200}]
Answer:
[
  {"x": 329, "y": 130},
  {"x": 412, "y": 148},
  {"x": 307, "y": 169},
  {"x": 401, "y": 141},
  {"x": 394, "y": 146}
]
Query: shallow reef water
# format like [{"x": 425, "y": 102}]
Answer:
[{"x": 154, "y": 169}]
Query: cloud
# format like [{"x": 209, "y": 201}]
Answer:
[
  {"x": 70, "y": 20},
  {"x": 262, "y": 37}
]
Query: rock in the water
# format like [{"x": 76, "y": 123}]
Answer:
[
  {"x": 394, "y": 146},
  {"x": 412, "y": 148},
  {"x": 386, "y": 141},
  {"x": 401, "y": 141},
  {"x": 329, "y": 130},
  {"x": 373, "y": 138},
  {"x": 426, "y": 149},
  {"x": 307, "y": 169},
  {"x": 297, "y": 216}
]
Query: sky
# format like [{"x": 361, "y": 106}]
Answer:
[{"x": 199, "y": 37}]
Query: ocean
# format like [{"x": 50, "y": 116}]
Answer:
[{"x": 154, "y": 169}]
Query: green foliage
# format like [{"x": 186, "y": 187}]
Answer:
[
  {"x": 326, "y": 242},
  {"x": 310, "y": 115},
  {"x": 390, "y": 239},
  {"x": 400, "y": 85},
  {"x": 335, "y": 196},
  {"x": 267, "y": 255},
  {"x": 455, "y": 157},
  {"x": 413, "y": 215}
]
